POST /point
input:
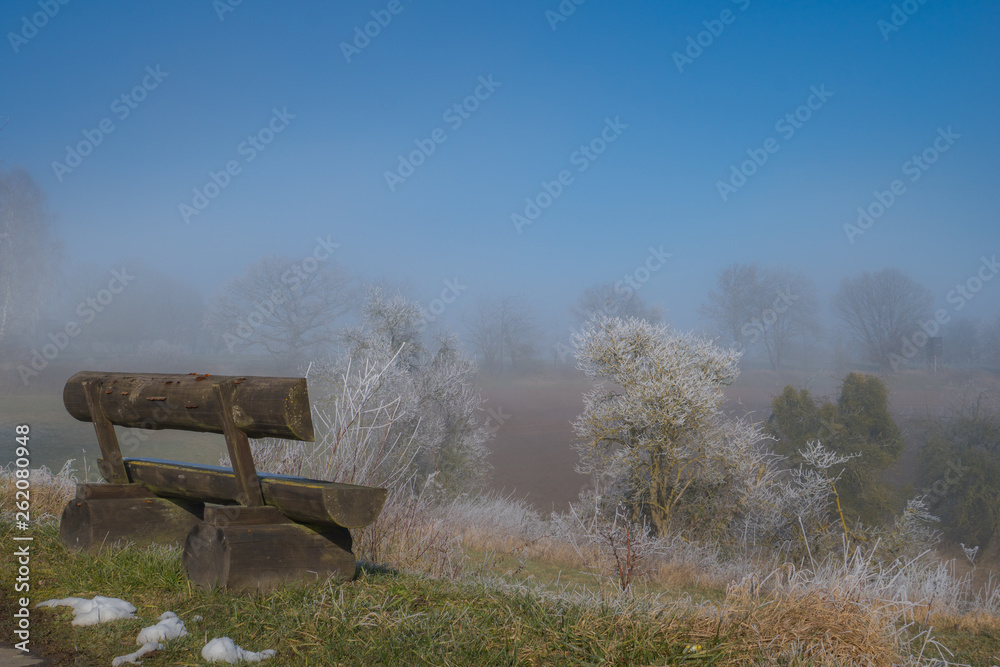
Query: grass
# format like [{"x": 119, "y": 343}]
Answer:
[
  {"x": 388, "y": 618},
  {"x": 516, "y": 596},
  {"x": 974, "y": 638},
  {"x": 380, "y": 618},
  {"x": 556, "y": 574}
]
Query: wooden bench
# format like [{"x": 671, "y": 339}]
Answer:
[{"x": 240, "y": 529}]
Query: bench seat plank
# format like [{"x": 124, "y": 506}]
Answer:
[{"x": 304, "y": 500}]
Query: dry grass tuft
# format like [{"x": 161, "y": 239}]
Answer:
[
  {"x": 48, "y": 492},
  {"x": 825, "y": 626}
]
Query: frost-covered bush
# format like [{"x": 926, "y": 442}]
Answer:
[
  {"x": 393, "y": 413},
  {"x": 655, "y": 441},
  {"x": 652, "y": 437},
  {"x": 390, "y": 409}
]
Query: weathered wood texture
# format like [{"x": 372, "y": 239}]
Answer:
[
  {"x": 305, "y": 500},
  {"x": 241, "y": 530},
  {"x": 111, "y": 466},
  {"x": 244, "y": 470},
  {"x": 261, "y": 406},
  {"x": 254, "y": 551},
  {"x": 102, "y": 514}
]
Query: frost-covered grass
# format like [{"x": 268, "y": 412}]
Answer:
[
  {"x": 47, "y": 494},
  {"x": 403, "y": 618},
  {"x": 391, "y": 617},
  {"x": 484, "y": 579}
]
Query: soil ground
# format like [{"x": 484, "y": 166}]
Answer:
[{"x": 532, "y": 452}]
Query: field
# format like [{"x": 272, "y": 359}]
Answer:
[
  {"x": 504, "y": 558},
  {"x": 533, "y": 457}
]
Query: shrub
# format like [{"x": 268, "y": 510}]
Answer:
[
  {"x": 960, "y": 469},
  {"x": 858, "y": 424}
]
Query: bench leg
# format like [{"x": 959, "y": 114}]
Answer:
[
  {"x": 96, "y": 518},
  {"x": 258, "y": 548}
]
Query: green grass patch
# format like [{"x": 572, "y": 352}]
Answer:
[
  {"x": 396, "y": 618},
  {"x": 556, "y": 576},
  {"x": 381, "y": 618}
]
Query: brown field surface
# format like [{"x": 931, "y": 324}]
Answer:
[{"x": 532, "y": 452}]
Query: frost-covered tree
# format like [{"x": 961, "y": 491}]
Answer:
[
  {"x": 391, "y": 411},
  {"x": 438, "y": 417},
  {"x": 654, "y": 430}
]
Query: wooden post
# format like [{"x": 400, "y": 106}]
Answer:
[
  {"x": 102, "y": 514},
  {"x": 239, "y": 449},
  {"x": 112, "y": 467},
  {"x": 243, "y": 549},
  {"x": 265, "y": 406}
]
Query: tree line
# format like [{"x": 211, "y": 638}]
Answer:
[{"x": 293, "y": 310}]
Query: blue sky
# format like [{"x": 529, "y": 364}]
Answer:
[{"x": 888, "y": 92}]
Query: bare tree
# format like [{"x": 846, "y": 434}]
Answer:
[
  {"x": 789, "y": 311},
  {"x": 767, "y": 306},
  {"x": 276, "y": 308},
  {"x": 735, "y": 301},
  {"x": 965, "y": 342},
  {"x": 503, "y": 332},
  {"x": 882, "y": 309},
  {"x": 991, "y": 340},
  {"x": 613, "y": 300},
  {"x": 28, "y": 254}
]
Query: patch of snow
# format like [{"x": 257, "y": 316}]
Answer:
[
  {"x": 91, "y": 612},
  {"x": 223, "y": 649},
  {"x": 169, "y": 627},
  {"x": 133, "y": 658}
]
